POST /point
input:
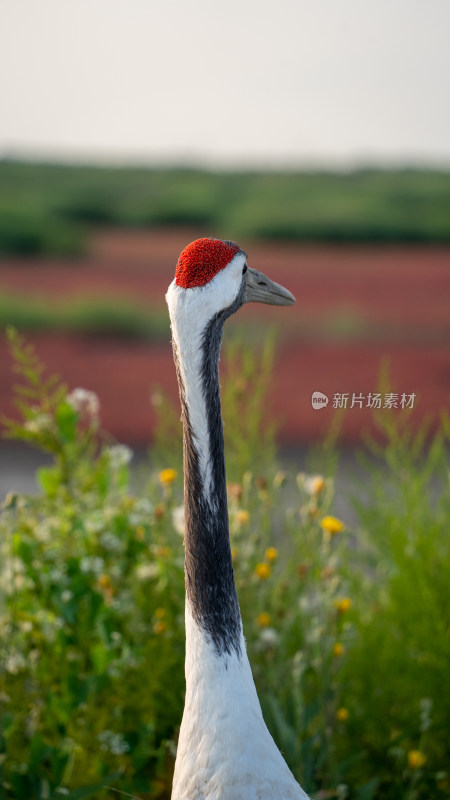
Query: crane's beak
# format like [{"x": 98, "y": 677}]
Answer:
[{"x": 260, "y": 289}]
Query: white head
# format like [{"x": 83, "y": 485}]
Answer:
[{"x": 212, "y": 277}]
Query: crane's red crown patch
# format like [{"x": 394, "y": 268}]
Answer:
[{"x": 203, "y": 259}]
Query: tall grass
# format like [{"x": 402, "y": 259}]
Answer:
[{"x": 347, "y": 628}]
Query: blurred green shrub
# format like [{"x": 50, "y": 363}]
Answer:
[
  {"x": 88, "y": 317},
  {"x": 46, "y": 209},
  {"x": 347, "y": 630},
  {"x": 24, "y": 235}
]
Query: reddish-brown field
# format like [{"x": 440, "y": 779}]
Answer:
[{"x": 355, "y": 306}]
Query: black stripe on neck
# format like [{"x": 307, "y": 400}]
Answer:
[{"x": 210, "y": 586}]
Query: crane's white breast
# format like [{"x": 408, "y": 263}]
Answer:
[{"x": 225, "y": 751}]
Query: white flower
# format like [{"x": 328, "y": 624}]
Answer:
[
  {"x": 85, "y": 403},
  {"x": 142, "y": 509},
  {"x": 143, "y": 506},
  {"x": 146, "y": 571},
  {"x": 110, "y": 542},
  {"x": 11, "y": 574},
  {"x": 315, "y": 631},
  {"x": 92, "y": 564},
  {"x": 95, "y": 522},
  {"x": 14, "y": 662},
  {"x": 269, "y": 637},
  {"x": 119, "y": 456},
  {"x": 310, "y": 603},
  {"x": 39, "y": 423},
  {"x": 16, "y": 565},
  {"x": 114, "y": 742},
  {"x": 178, "y": 520},
  {"x": 49, "y": 623},
  {"x": 66, "y": 596},
  {"x": 42, "y": 532}
]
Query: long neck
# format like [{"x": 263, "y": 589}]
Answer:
[{"x": 210, "y": 588}]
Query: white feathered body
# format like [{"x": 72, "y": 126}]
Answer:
[{"x": 225, "y": 751}]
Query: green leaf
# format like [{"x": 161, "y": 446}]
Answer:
[
  {"x": 100, "y": 658},
  {"x": 66, "y": 419},
  {"x": 48, "y": 479}
]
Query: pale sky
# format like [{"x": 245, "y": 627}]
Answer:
[{"x": 304, "y": 82}]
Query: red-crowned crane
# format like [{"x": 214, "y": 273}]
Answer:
[{"x": 225, "y": 751}]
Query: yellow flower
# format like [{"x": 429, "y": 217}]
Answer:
[
  {"x": 159, "y": 510},
  {"x": 162, "y": 551},
  {"x": 317, "y": 484},
  {"x": 105, "y": 585},
  {"x": 314, "y": 484},
  {"x": 242, "y": 516},
  {"x": 104, "y": 581},
  {"x": 332, "y": 525},
  {"x": 263, "y": 619},
  {"x": 338, "y": 649},
  {"x": 343, "y": 604},
  {"x": 160, "y": 613},
  {"x": 311, "y": 484},
  {"x": 416, "y": 759},
  {"x": 159, "y": 626},
  {"x": 140, "y": 533},
  {"x": 342, "y": 714},
  {"x": 262, "y": 571},
  {"x": 271, "y": 553},
  {"x": 167, "y": 476}
]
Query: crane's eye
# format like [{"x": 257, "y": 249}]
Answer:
[{"x": 245, "y": 269}]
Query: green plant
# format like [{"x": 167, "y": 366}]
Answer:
[
  {"x": 398, "y": 674},
  {"x": 346, "y": 628}
]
